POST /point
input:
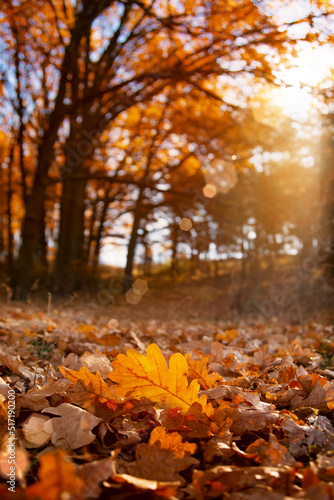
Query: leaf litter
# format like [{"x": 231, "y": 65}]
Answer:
[{"x": 182, "y": 410}]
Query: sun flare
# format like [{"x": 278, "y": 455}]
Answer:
[
  {"x": 294, "y": 93},
  {"x": 311, "y": 67}
]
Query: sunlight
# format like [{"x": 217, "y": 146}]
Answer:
[
  {"x": 294, "y": 96},
  {"x": 311, "y": 67},
  {"x": 294, "y": 102}
]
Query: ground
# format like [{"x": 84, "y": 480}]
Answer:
[{"x": 157, "y": 400}]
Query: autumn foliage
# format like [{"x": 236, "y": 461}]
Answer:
[{"x": 116, "y": 115}]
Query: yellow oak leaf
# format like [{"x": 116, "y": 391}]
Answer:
[
  {"x": 139, "y": 376},
  {"x": 172, "y": 441},
  {"x": 228, "y": 335},
  {"x": 92, "y": 386},
  {"x": 198, "y": 370}
]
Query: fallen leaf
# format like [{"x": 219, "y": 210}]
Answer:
[
  {"x": 14, "y": 364},
  {"x": 153, "y": 462},
  {"x": 4, "y": 388},
  {"x": 223, "y": 479},
  {"x": 227, "y": 336},
  {"x": 92, "y": 474},
  {"x": 91, "y": 387},
  {"x": 172, "y": 442},
  {"x": 137, "y": 376},
  {"x": 197, "y": 369},
  {"x": 73, "y": 428},
  {"x": 96, "y": 361},
  {"x": 36, "y": 399},
  {"x": 57, "y": 478},
  {"x": 271, "y": 452},
  {"x": 33, "y": 431},
  {"x": 166, "y": 489}
]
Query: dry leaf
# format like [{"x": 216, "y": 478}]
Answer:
[
  {"x": 4, "y": 388},
  {"x": 140, "y": 376},
  {"x": 92, "y": 474},
  {"x": 96, "y": 361},
  {"x": 33, "y": 431},
  {"x": 172, "y": 442},
  {"x": 73, "y": 428},
  {"x": 91, "y": 387},
  {"x": 197, "y": 369},
  {"x": 35, "y": 399},
  {"x": 157, "y": 464},
  {"x": 321, "y": 395},
  {"x": 15, "y": 365},
  {"x": 271, "y": 452},
  {"x": 162, "y": 489}
]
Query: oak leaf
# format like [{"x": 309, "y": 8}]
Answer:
[
  {"x": 91, "y": 386},
  {"x": 139, "y": 376},
  {"x": 96, "y": 361},
  {"x": 74, "y": 427},
  {"x": 227, "y": 335},
  {"x": 172, "y": 442},
  {"x": 271, "y": 453},
  {"x": 321, "y": 396},
  {"x": 153, "y": 462},
  {"x": 198, "y": 370},
  {"x": 36, "y": 399}
]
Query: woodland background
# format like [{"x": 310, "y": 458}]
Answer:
[{"x": 152, "y": 126}]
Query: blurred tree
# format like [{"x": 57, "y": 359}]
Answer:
[{"x": 78, "y": 66}]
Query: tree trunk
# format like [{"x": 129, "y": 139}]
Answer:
[
  {"x": 100, "y": 230},
  {"x": 20, "y": 109},
  {"x": 69, "y": 260},
  {"x": 133, "y": 240},
  {"x": 33, "y": 222},
  {"x": 327, "y": 196},
  {"x": 175, "y": 241},
  {"x": 90, "y": 238},
  {"x": 9, "y": 213}
]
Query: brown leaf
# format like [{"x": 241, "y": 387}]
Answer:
[
  {"x": 320, "y": 397},
  {"x": 35, "y": 399},
  {"x": 33, "y": 430},
  {"x": 96, "y": 361},
  {"x": 92, "y": 474},
  {"x": 161, "y": 488},
  {"x": 157, "y": 464},
  {"x": 271, "y": 452},
  {"x": 216, "y": 482},
  {"x": 15, "y": 365},
  {"x": 73, "y": 428}
]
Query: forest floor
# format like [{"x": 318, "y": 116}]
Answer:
[{"x": 164, "y": 398}]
